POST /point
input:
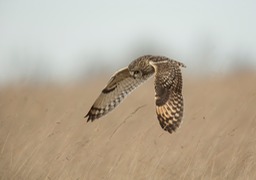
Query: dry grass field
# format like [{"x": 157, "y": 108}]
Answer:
[{"x": 43, "y": 134}]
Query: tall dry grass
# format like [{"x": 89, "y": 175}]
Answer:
[{"x": 43, "y": 134}]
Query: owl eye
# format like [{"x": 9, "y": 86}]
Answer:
[{"x": 136, "y": 72}]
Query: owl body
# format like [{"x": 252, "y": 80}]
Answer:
[{"x": 168, "y": 89}]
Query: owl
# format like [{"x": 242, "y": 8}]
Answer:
[{"x": 168, "y": 89}]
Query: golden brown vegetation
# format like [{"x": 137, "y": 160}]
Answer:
[{"x": 43, "y": 134}]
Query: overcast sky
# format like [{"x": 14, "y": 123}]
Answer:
[{"x": 62, "y": 39}]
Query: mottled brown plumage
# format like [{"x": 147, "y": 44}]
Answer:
[{"x": 168, "y": 89}]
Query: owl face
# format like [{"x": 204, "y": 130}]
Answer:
[
  {"x": 136, "y": 74},
  {"x": 140, "y": 67}
]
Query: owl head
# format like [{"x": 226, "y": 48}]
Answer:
[{"x": 140, "y": 67}]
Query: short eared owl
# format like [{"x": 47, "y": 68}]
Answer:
[{"x": 168, "y": 89}]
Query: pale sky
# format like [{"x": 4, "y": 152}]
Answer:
[{"x": 62, "y": 39}]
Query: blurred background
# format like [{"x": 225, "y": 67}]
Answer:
[
  {"x": 63, "y": 40},
  {"x": 57, "y": 55}
]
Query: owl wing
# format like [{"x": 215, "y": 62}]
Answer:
[
  {"x": 168, "y": 94},
  {"x": 119, "y": 86}
]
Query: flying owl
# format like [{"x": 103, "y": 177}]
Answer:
[{"x": 168, "y": 89}]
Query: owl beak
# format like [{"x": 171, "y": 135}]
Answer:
[{"x": 132, "y": 74}]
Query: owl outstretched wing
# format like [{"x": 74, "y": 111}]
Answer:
[
  {"x": 168, "y": 93},
  {"x": 121, "y": 84}
]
